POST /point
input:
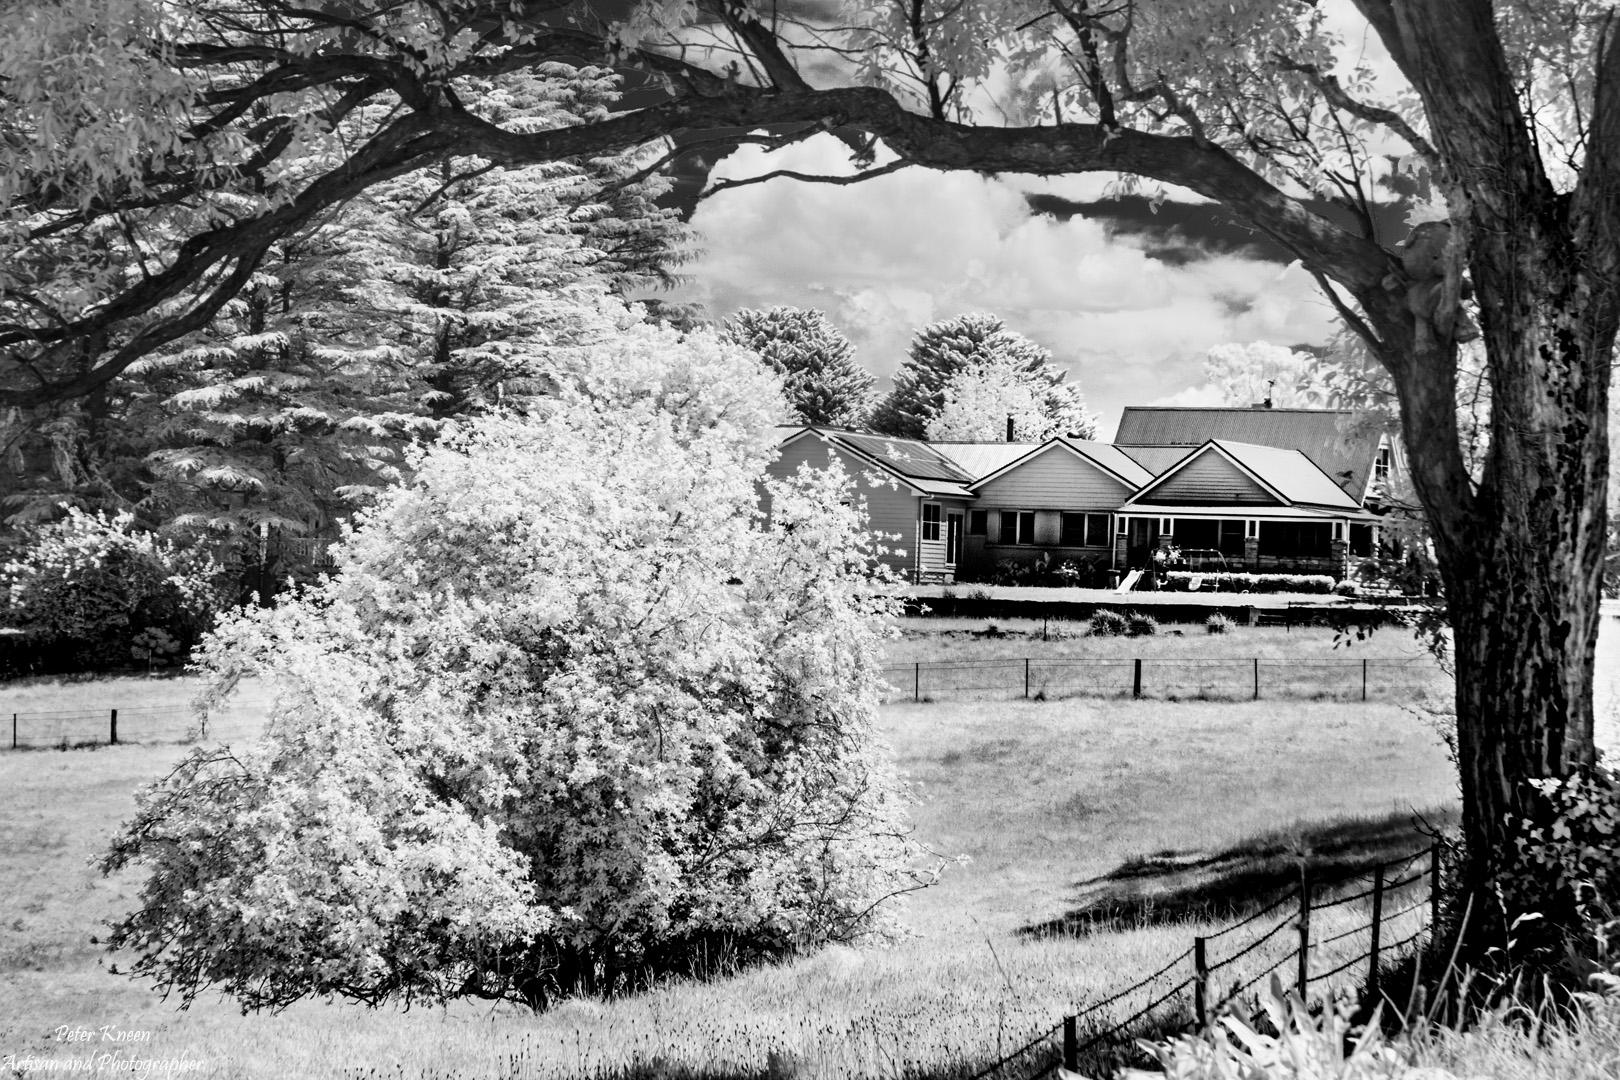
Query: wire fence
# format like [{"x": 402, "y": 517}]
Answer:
[
  {"x": 1218, "y": 969},
  {"x": 73, "y": 728},
  {"x": 1248, "y": 679}
]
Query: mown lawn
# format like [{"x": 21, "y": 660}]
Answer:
[{"x": 1042, "y": 797}]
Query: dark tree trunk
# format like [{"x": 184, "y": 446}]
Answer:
[{"x": 1521, "y": 553}]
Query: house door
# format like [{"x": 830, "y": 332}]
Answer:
[
  {"x": 953, "y": 538},
  {"x": 1139, "y": 542}
]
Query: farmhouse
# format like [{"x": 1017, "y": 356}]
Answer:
[{"x": 1258, "y": 490}]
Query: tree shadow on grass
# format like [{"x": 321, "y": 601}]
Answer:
[{"x": 1178, "y": 886}]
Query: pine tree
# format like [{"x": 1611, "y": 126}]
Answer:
[
  {"x": 822, "y": 382},
  {"x": 432, "y": 296},
  {"x": 945, "y": 350}
]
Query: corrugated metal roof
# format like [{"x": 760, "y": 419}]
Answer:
[
  {"x": 909, "y": 457},
  {"x": 1331, "y": 438},
  {"x": 1293, "y": 475},
  {"x": 982, "y": 459}
]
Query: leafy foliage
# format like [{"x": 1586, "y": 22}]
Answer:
[
  {"x": 1107, "y": 623},
  {"x": 1181, "y": 580},
  {"x": 1260, "y": 371},
  {"x": 568, "y": 715},
  {"x": 816, "y": 361},
  {"x": 1002, "y": 368},
  {"x": 90, "y": 588}
]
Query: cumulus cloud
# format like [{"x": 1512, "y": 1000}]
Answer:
[{"x": 886, "y": 256}]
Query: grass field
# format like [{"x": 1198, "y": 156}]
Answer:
[{"x": 1045, "y": 799}]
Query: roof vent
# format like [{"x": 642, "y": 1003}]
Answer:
[{"x": 1009, "y": 429}]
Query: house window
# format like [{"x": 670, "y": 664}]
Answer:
[
  {"x": 1085, "y": 530},
  {"x": 930, "y": 523},
  {"x": 978, "y": 522},
  {"x": 1017, "y": 527},
  {"x": 1096, "y": 530},
  {"x": 1167, "y": 526},
  {"x": 1074, "y": 530},
  {"x": 1291, "y": 539},
  {"x": 1381, "y": 466}
]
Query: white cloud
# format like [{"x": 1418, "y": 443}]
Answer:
[{"x": 886, "y": 256}]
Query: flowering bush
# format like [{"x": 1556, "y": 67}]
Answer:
[
  {"x": 570, "y": 714},
  {"x": 1180, "y": 581},
  {"x": 87, "y": 588}
]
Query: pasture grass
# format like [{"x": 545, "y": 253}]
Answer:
[
  {"x": 1047, "y": 800},
  {"x": 923, "y": 640}
]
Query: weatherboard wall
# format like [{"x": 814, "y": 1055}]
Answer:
[
  {"x": 1056, "y": 480},
  {"x": 890, "y": 508},
  {"x": 1209, "y": 479}
]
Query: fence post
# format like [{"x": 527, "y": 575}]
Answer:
[
  {"x": 114, "y": 726},
  {"x": 1257, "y": 678},
  {"x": 1364, "y": 685},
  {"x": 1377, "y": 929},
  {"x": 1136, "y": 678},
  {"x": 916, "y": 682},
  {"x": 1200, "y": 983},
  {"x": 14, "y": 731},
  {"x": 1434, "y": 891},
  {"x": 1026, "y": 676},
  {"x": 1071, "y": 1045},
  {"x": 1304, "y": 935}
]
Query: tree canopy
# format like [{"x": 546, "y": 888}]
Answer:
[
  {"x": 567, "y": 715},
  {"x": 974, "y": 361},
  {"x": 822, "y": 381}
]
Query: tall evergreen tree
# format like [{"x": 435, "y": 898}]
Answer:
[
  {"x": 943, "y": 351},
  {"x": 822, "y": 381}
]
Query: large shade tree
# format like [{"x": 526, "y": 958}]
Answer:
[{"x": 137, "y": 203}]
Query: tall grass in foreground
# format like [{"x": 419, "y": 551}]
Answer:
[{"x": 1580, "y": 1043}]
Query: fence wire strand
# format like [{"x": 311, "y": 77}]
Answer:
[
  {"x": 1134, "y": 987},
  {"x": 1288, "y": 897},
  {"x": 1253, "y": 945}
]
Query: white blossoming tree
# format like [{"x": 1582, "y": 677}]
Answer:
[
  {"x": 571, "y": 712},
  {"x": 980, "y": 401}
]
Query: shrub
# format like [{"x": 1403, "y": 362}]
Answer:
[
  {"x": 567, "y": 716},
  {"x": 1575, "y": 845},
  {"x": 90, "y": 592},
  {"x": 1181, "y": 581},
  {"x": 1140, "y": 625},
  {"x": 1106, "y": 623},
  {"x": 1217, "y": 624}
]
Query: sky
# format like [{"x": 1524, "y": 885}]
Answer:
[{"x": 1128, "y": 302}]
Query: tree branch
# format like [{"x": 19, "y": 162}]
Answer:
[
  {"x": 1336, "y": 96},
  {"x": 809, "y": 178}
]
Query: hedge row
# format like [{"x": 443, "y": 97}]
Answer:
[{"x": 1181, "y": 580}]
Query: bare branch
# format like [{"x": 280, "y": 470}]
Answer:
[{"x": 810, "y": 178}]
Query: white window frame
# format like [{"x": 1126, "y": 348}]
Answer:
[{"x": 931, "y": 526}]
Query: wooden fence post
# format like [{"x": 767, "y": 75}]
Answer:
[
  {"x": 114, "y": 726},
  {"x": 916, "y": 683},
  {"x": 1026, "y": 676},
  {"x": 1364, "y": 680},
  {"x": 1071, "y": 1045},
  {"x": 1304, "y": 935},
  {"x": 1200, "y": 982},
  {"x": 1136, "y": 678},
  {"x": 14, "y": 731},
  {"x": 1377, "y": 929},
  {"x": 1257, "y": 678}
]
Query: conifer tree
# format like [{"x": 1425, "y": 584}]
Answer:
[
  {"x": 822, "y": 382},
  {"x": 945, "y": 350}
]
